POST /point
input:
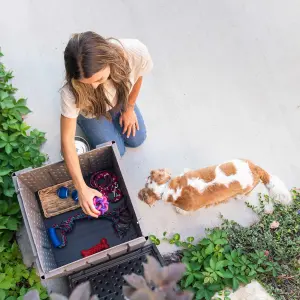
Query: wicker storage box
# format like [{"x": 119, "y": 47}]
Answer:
[{"x": 52, "y": 262}]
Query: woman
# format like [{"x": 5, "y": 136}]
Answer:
[{"x": 104, "y": 77}]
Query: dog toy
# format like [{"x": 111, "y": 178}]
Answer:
[
  {"x": 75, "y": 195},
  {"x": 110, "y": 184},
  {"x": 120, "y": 217},
  {"x": 101, "y": 204},
  {"x": 103, "y": 245},
  {"x": 63, "y": 192}
]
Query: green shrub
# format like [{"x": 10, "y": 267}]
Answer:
[
  {"x": 212, "y": 264},
  {"x": 268, "y": 251},
  {"x": 19, "y": 149},
  {"x": 15, "y": 278},
  {"x": 281, "y": 244}
]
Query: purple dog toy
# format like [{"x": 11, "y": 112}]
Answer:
[{"x": 101, "y": 204}]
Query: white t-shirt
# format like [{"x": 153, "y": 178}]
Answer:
[{"x": 140, "y": 63}]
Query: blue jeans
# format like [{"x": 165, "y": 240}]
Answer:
[{"x": 101, "y": 130}]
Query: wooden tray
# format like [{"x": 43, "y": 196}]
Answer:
[{"x": 52, "y": 205}]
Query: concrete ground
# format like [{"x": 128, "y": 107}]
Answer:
[{"x": 225, "y": 85}]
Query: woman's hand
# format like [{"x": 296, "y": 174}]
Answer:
[
  {"x": 86, "y": 196},
  {"x": 129, "y": 122}
]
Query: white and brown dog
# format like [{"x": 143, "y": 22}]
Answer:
[{"x": 210, "y": 186}]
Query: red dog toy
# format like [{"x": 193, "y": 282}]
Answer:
[{"x": 95, "y": 249}]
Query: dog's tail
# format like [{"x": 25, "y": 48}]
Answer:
[{"x": 277, "y": 189}]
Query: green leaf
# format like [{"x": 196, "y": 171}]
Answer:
[
  {"x": 206, "y": 280},
  {"x": 221, "y": 264},
  {"x": 2, "y": 144},
  {"x": 12, "y": 224},
  {"x": 23, "y": 110},
  {"x": 195, "y": 266},
  {"x": 7, "y": 103},
  {"x": 205, "y": 242},
  {"x": 164, "y": 234},
  {"x": 3, "y": 207},
  {"x": 224, "y": 274},
  {"x": 152, "y": 238},
  {"x": 198, "y": 275},
  {"x": 4, "y": 136},
  {"x": 178, "y": 243},
  {"x": 189, "y": 267},
  {"x": 260, "y": 269},
  {"x": 212, "y": 263},
  {"x": 8, "y": 148},
  {"x": 235, "y": 284},
  {"x": 234, "y": 254},
  {"x": 242, "y": 278},
  {"x": 2, "y": 294},
  {"x": 5, "y": 171},
  {"x": 200, "y": 294},
  {"x": 43, "y": 296},
  {"x": 6, "y": 284},
  {"x": 209, "y": 249},
  {"x": 189, "y": 280},
  {"x": 187, "y": 253},
  {"x": 215, "y": 287},
  {"x": 13, "y": 209},
  {"x": 9, "y": 192},
  {"x": 227, "y": 293},
  {"x": 21, "y": 102},
  {"x": 221, "y": 242},
  {"x": 176, "y": 237},
  {"x": 13, "y": 137},
  {"x": 190, "y": 239},
  {"x": 2, "y": 276},
  {"x": 3, "y": 95},
  {"x": 198, "y": 285}
]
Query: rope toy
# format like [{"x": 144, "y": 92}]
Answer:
[
  {"x": 103, "y": 245},
  {"x": 120, "y": 217},
  {"x": 110, "y": 184},
  {"x": 101, "y": 204}
]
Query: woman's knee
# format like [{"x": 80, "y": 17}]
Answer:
[{"x": 134, "y": 142}]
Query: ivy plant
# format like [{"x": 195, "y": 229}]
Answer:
[
  {"x": 15, "y": 278},
  {"x": 19, "y": 149}
]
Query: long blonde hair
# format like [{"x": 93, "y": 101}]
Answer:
[{"x": 86, "y": 54}]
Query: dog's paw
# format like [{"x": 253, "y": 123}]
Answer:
[{"x": 182, "y": 212}]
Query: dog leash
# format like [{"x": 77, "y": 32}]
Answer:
[{"x": 110, "y": 184}]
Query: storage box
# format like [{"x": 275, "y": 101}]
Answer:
[
  {"x": 52, "y": 262},
  {"x": 107, "y": 279}
]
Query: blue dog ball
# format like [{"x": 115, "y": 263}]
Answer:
[
  {"x": 75, "y": 195},
  {"x": 63, "y": 192}
]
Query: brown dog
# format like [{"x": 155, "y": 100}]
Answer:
[{"x": 210, "y": 186}]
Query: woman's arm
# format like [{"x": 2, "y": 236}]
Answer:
[
  {"x": 86, "y": 194},
  {"x": 128, "y": 119},
  {"x": 135, "y": 92}
]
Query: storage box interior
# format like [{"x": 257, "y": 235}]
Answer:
[{"x": 86, "y": 233}]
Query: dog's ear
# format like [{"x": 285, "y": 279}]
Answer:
[
  {"x": 148, "y": 196},
  {"x": 160, "y": 176}
]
